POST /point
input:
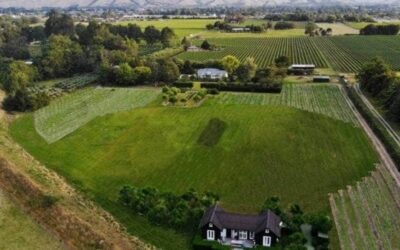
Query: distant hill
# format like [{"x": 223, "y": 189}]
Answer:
[{"x": 181, "y": 3}]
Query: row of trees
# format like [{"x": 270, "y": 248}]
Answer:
[
  {"x": 293, "y": 217},
  {"x": 182, "y": 212},
  {"x": 372, "y": 29},
  {"x": 377, "y": 79},
  {"x": 228, "y": 27}
]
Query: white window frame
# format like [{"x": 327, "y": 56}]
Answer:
[
  {"x": 251, "y": 235},
  {"x": 242, "y": 235},
  {"x": 267, "y": 241},
  {"x": 210, "y": 235}
]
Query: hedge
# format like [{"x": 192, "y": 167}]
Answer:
[
  {"x": 376, "y": 126},
  {"x": 201, "y": 244},
  {"x": 181, "y": 84},
  {"x": 261, "y": 88}
]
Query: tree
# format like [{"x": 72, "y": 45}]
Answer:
[
  {"x": 169, "y": 71},
  {"x": 310, "y": 29},
  {"x": 274, "y": 204},
  {"x": 320, "y": 223},
  {"x": 205, "y": 45},
  {"x": 62, "y": 57},
  {"x": 134, "y": 32},
  {"x": 282, "y": 61},
  {"x": 187, "y": 67},
  {"x": 186, "y": 43},
  {"x": 209, "y": 26},
  {"x": 59, "y": 24},
  {"x": 151, "y": 34},
  {"x": 230, "y": 64},
  {"x": 16, "y": 49},
  {"x": 142, "y": 74},
  {"x": 375, "y": 76},
  {"x": 247, "y": 70},
  {"x": 124, "y": 75},
  {"x": 167, "y": 36},
  {"x": 19, "y": 76}
]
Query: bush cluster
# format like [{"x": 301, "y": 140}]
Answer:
[
  {"x": 181, "y": 212},
  {"x": 275, "y": 87}
]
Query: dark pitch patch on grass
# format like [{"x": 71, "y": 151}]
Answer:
[{"x": 212, "y": 132}]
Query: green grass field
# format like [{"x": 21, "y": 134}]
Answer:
[
  {"x": 18, "y": 231},
  {"x": 339, "y": 28},
  {"x": 68, "y": 113},
  {"x": 263, "y": 150}
]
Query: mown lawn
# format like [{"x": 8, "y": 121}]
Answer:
[{"x": 262, "y": 151}]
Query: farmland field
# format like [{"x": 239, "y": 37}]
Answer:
[
  {"x": 322, "y": 99},
  {"x": 339, "y": 28},
  {"x": 264, "y": 51},
  {"x": 67, "y": 114},
  {"x": 158, "y": 146},
  {"x": 364, "y": 48},
  {"x": 342, "y": 53},
  {"x": 18, "y": 231},
  {"x": 367, "y": 215}
]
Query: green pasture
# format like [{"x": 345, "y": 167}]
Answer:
[{"x": 263, "y": 149}]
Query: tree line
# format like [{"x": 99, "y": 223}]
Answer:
[
  {"x": 380, "y": 81},
  {"x": 66, "y": 49},
  {"x": 387, "y": 29}
]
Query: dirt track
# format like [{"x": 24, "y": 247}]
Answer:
[{"x": 383, "y": 154}]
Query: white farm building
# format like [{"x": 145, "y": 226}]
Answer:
[{"x": 211, "y": 73}]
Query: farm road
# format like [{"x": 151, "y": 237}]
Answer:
[{"x": 386, "y": 160}]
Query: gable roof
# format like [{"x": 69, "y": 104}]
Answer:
[
  {"x": 256, "y": 223},
  {"x": 211, "y": 71}
]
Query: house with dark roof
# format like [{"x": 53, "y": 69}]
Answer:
[{"x": 240, "y": 230}]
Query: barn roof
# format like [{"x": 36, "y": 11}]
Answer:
[
  {"x": 256, "y": 223},
  {"x": 211, "y": 71}
]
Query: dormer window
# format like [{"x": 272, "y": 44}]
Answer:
[{"x": 210, "y": 224}]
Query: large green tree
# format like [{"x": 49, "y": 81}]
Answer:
[
  {"x": 230, "y": 64},
  {"x": 59, "y": 24},
  {"x": 375, "y": 76},
  {"x": 151, "y": 34},
  {"x": 18, "y": 76},
  {"x": 247, "y": 70},
  {"x": 62, "y": 57}
]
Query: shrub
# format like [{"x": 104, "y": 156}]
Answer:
[
  {"x": 181, "y": 212},
  {"x": 213, "y": 91}
]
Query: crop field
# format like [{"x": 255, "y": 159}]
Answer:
[
  {"x": 270, "y": 147},
  {"x": 339, "y": 28},
  {"x": 264, "y": 51},
  {"x": 342, "y": 53},
  {"x": 367, "y": 215},
  {"x": 363, "y": 48},
  {"x": 68, "y": 113},
  {"x": 18, "y": 231},
  {"x": 323, "y": 99}
]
